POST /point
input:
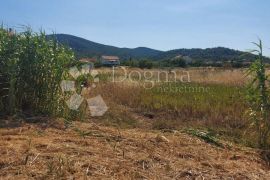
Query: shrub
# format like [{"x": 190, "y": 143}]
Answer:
[{"x": 145, "y": 64}]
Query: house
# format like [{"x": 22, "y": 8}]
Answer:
[
  {"x": 88, "y": 60},
  {"x": 246, "y": 63},
  {"x": 110, "y": 61}
]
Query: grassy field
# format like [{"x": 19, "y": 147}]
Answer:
[
  {"x": 213, "y": 101},
  {"x": 174, "y": 130},
  {"x": 167, "y": 123}
]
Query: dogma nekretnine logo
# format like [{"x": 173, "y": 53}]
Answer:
[{"x": 96, "y": 105}]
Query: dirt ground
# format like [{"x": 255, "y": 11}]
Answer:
[{"x": 89, "y": 151}]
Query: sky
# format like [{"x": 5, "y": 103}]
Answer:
[{"x": 158, "y": 24}]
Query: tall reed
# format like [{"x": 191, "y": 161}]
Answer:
[
  {"x": 258, "y": 98},
  {"x": 31, "y": 69}
]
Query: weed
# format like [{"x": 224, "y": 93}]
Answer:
[
  {"x": 206, "y": 136},
  {"x": 258, "y": 98}
]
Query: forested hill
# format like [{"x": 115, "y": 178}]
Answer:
[
  {"x": 209, "y": 54},
  {"x": 86, "y": 48}
]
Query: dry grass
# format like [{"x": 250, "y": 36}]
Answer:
[
  {"x": 221, "y": 110},
  {"x": 235, "y": 77},
  {"x": 123, "y": 144},
  {"x": 209, "y": 75},
  {"x": 37, "y": 151}
]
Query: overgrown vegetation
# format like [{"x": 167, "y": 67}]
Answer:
[
  {"x": 174, "y": 106},
  {"x": 31, "y": 69}
]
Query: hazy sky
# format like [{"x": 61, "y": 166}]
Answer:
[{"x": 159, "y": 24}]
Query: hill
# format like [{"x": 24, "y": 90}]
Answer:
[
  {"x": 85, "y": 48},
  {"x": 209, "y": 54}
]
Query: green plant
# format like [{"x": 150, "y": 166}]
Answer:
[
  {"x": 258, "y": 98},
  {"x": 31, "y": 70},
  {"x": 206, "y": 136}
]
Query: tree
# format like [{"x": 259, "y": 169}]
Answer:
[
  {"x": 178, "y": 62},
  {"x": 145, "y": 64}
]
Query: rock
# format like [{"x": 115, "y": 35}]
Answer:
[{"x": 161, "y": 138}]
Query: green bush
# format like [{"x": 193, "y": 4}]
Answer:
[{"x": 145, "y": 64}]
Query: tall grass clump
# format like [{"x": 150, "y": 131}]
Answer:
[
  {"x": 258, "y": 98},
  {"x": 31, "y": 69}
]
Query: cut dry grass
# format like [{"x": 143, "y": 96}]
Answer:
[{"x": 110, "y": 153}]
